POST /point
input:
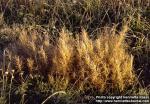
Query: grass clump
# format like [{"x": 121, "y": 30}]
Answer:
[{"x": 74, "y": 61}]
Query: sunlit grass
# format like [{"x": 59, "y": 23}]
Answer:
[{"x": 103, "y": 49}]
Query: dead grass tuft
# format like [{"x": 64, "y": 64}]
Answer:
[{"x": 79, "y": 62}]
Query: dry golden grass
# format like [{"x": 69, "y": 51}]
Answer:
[
  {"x": 75, "y": 62},
  {"x": 32, "y": 47}
]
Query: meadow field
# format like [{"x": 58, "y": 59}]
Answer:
[{"x": 70, "y": 51}]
